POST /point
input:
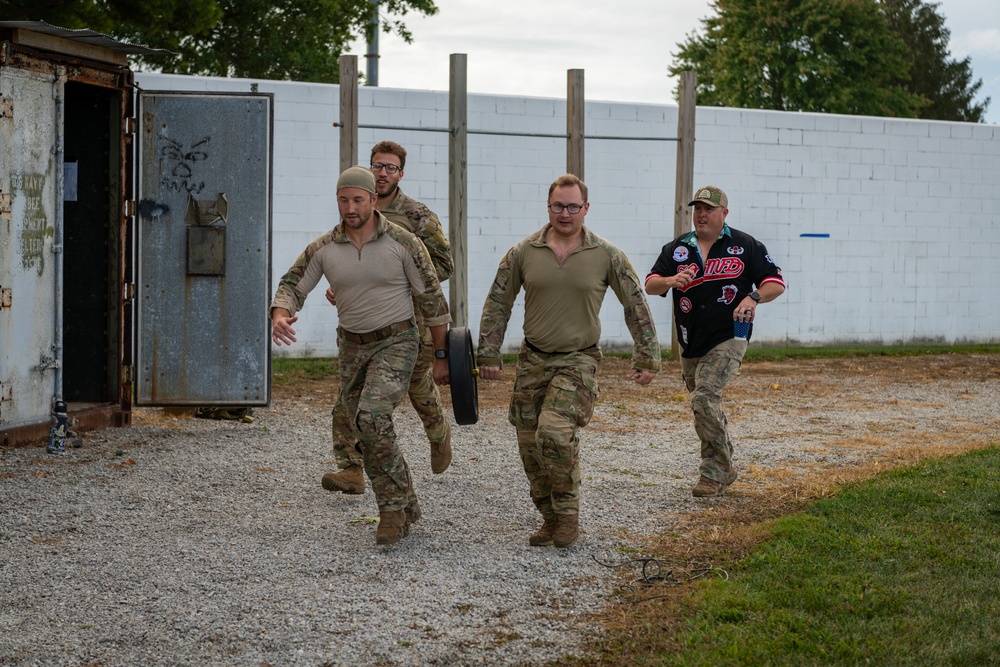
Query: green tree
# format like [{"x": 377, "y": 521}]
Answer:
[
  {"x": 933, "y": 73},
  {"x": 298, "y": 40},
  {"x": 833, "y": 56}
]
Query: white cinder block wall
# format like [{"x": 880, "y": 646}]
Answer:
[{"x": 912, "y": 208}]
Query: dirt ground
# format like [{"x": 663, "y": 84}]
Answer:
[{"x": 826, "y": 400}]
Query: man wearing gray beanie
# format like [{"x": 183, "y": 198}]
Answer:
[{"x": 378, "y": 273}]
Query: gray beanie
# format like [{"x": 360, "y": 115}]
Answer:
[{"x": 357, "y": 177}]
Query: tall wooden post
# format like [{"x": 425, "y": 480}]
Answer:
[
  {"x": 458, "y": 163},
  {"x": 574, "y": 122},
  {"x": 348, "y": 111},
  {"x": 684, "y": 177}
]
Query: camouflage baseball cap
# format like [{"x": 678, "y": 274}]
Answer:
[{"x": 711, "y": 195}]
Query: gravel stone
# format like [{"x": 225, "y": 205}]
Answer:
[{"x": 184, "y": 541}]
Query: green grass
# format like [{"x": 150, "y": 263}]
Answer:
[
  {"x": 286, "y": 371},
  {"x": 847, "y": 351},
  {"x": 899, "y": 570}
]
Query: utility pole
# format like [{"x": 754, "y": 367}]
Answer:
[{"x": 372, "y": 56}]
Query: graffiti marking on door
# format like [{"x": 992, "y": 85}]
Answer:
[{"x": 182, "y": 163}]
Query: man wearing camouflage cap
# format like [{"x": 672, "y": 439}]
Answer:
[
  {"x": 565, "y": 270},
  {"x": 388, "y": 160},
  {"x": 719, "y": 275},
  {"x": 374, "y": 268}
]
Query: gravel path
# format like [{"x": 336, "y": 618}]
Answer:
[{"x": 193, "y": 542}]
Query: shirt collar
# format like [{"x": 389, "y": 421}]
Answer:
[
  {"x": 340, "y": 236},
  {"x": 691, "y": 238},
  {"x": 538, "y": 238}
]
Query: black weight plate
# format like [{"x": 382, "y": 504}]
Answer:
[{"x": 461, "y": 367}]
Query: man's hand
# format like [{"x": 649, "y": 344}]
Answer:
[
  {"x": 684, "y": 278},
  {"x": 489, "y": 372},
  {"x": 745, "y": 310},
  {"x": 641, "y": 376},
  {"x": 442, "y": 375},
  {"x": 329, "y": 296},
  {"x": 281, "y": 327}
]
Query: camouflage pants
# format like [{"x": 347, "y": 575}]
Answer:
[
  {"x": 424, "y": 396},
  {"x": 705, "y": 378},
  {"x": 373, "y": 380},
  {"x": 553, "y": 398}
]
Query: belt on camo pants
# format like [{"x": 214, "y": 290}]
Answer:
[{"x": 378, "y": 334}]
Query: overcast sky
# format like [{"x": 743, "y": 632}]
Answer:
[{"x": 524, "y": 47}]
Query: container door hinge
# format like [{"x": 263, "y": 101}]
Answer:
[
  {"x": 129, "y": 208},
  {"x": 6, "y": 297},
  {"x": 6, "y": 107}
]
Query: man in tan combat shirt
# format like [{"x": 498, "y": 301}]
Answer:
[
  {"x": 375, "y": 269},
  {"x": 388, "y": 159},
  {"x": 565, "y": 270}
]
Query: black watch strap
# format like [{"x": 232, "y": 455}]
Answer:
[{"x": 440, "y": 354}]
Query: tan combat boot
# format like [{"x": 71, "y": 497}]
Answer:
[
  {"x": 567, "y": 530},
  {"x": 708, "y": 488},
  {"x": 441, "y": 453},
  {"x": 349, "y": 480},
  {"x": 392, "y": 527},
  {"x": 543, "y": 536}
]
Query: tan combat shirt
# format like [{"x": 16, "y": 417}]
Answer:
[
  {"x": 374, "y": 286},
  {"x": 562, "y": 304}
]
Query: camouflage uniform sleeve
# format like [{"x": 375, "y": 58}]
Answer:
[
  {"x": 431, "y": 302},
  {"x": 638, "y": 317},
  {"x": 496, "y": 310},
  {"x": 296, "y": 284},
  {"x": 431, "y": 234}
]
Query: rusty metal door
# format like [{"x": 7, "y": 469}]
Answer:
[
  {"x": 28, "y": 180},
  {"x": 204, "y": 248}
]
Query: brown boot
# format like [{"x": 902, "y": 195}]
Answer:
[
  {"x": 708, "y": 488},
  {"x": 543, "y": 536},
  {"x": 441, "y": 453},
  {"x": 349, "y": 480},
  {"x": 567, "y": 530},
  {"x": 392, "y": 527}
]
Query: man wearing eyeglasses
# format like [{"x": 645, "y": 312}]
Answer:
[
  {"x": 387, "y": 162},
  {"x": 719, "y": 275},
  {"x": 565, "y": 270}
]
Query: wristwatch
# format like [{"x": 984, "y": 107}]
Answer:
[
  {"x": 755, "y": 295},
  {"x": 440, "y": 354}
]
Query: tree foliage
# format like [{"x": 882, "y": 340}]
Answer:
[
  {"x": 934, "y": 74},
  {"x": 298, "y": 40},
  {"x": 833, "y": 56}
]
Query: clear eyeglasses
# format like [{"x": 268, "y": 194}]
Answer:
[
  {"x": 389, "y": 168},
  {"x": 558, "y": 208}
]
